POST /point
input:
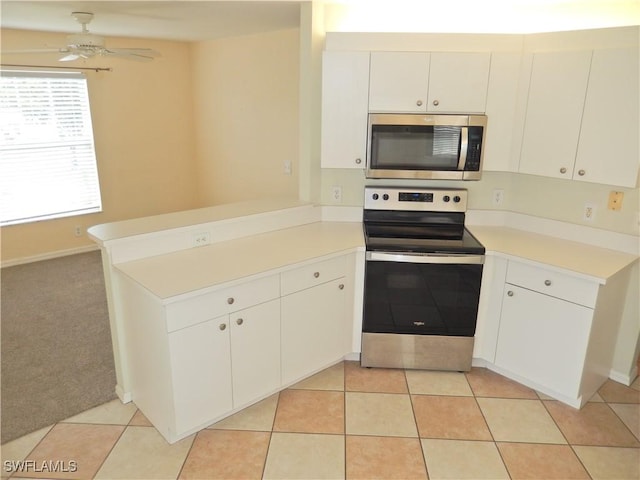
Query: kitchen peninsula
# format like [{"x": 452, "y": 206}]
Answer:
[{"x": 214, "y": 309}]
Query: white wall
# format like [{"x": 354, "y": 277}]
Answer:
[{"x": 245, "y": 93}]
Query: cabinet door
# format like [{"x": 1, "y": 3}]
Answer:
[
  {"x": 201, "y": 373},
  {"x": 255, "y": 351},
  {"x": 458, "y": 82},
  {"x": 554, "y": 111},
  {"x": 399, "y": 82},
  {"x": 608, "y": 149},
  {"x": 543, "y": 339},
  {"x": 345, "y": 86},
  {"x": 314, "y": 329},
  {"x": 502, "y": 97}
]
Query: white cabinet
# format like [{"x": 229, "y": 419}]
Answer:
[
  {"x": 197, "y": 358},
  {"x": 581, "y": 119},
  {"x": 399, "y": 82},
  {"x": 557, "y": 331},
  {"x": 419, "y": 82},
  {"x": 502, "y": 98},
  {"x": 608, "y": 150},
  {"x": 315, "y": 325},
  {"x": 458, "y": 82},
  {"x": 554, "y": 111},
  {"x": 224, "y": 363},
  {"x": 200, "y": 374},
  {"x": 543, "y": 339},
  {"x": 345, "y": 80},
  {"x": 255, "y": 351}
]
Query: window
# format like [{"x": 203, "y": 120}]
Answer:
[{"x": 47, "y": 156}]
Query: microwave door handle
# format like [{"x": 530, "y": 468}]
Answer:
[{"x": 464, "y": 143}]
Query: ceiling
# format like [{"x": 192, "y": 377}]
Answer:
[{"x": 173, "y": 20}]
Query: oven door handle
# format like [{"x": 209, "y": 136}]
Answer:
[{"x": 462, "y": 259}]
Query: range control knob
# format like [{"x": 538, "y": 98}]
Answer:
[
  {"x": 456, "y": 199},
  {"x": 375, "y": 196},
  {"x": 385, "y": 197},
  {"x": 446, "y": 199}
]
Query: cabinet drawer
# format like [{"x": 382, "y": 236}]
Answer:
[
  {"x": 314, "y": 274},
  {"x": 566, "y": 287},
  {"x": 205, "y": 307}
]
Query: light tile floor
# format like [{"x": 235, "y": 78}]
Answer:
[{"x": 355, "y": 423}]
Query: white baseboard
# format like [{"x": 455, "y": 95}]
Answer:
[
  {"x": 125, "y": 397},
  {"x": 624, "y": 378},
  {"x": 49, "y": 255}
]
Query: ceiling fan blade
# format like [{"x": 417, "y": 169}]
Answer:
[
  {"x": 138, "y": 54},
  {"x": 69, "y": 58},
  {"x": 35, "y": 50},
  {"x": 146, "y": 52}
]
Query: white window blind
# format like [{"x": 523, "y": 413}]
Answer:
[{"x": 47, "y": 156}]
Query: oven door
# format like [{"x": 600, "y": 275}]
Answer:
[{"x": 422, "y": 294}]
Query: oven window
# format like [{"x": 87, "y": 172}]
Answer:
[
  {"x": 410, "y": 147},
  {"x": 421, "y": 299}
]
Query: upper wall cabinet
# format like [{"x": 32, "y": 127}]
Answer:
[
  {"x": 608, "y": 147},
  {"x": 345, "y": 87},
  {"x": 399, "y": 82},
  {"x": 553, "y": 114},
  {"x": 458, "y": 82},
  {"x": 419, "y": 82}
]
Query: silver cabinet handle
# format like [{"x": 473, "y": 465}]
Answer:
[
  {"x": 581, "y": 173},
  {"x": 341, "y": 286},
  {"x": 230, "y": 300},
  {"x": 510, "y": 293},
  {"x": 419, "y": 103},
  {"x": 239, "y": 321},
  {"x": 222, "y": 326},
  {"x": 358, "y": 161},
  {"x": 547, "y": 282},
  {"x": 316, "y": 274},
  {"x": 563, "y": 170},
  {"x": 436, "y": 103}
]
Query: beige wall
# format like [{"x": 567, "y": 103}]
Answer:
[
  {"x": 143, "y": 127},
  {"x": 245, "y": 92}
]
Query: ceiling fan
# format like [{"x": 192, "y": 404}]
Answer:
[{"x": 87, "y": 45}]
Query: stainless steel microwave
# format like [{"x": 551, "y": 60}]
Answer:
[{"x": 415, "y": 146}]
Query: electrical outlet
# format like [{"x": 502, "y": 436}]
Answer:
[
  {"x": 201, "y": 239},
  {"x": 615, "y": 201},
  {"x": 589, "y": 212},
  {"x": 336, "y": 194},
  {"x": 498, "y": 197},
  {"x": 77, "y": 231},
  {"x": 287, "y": 167}
]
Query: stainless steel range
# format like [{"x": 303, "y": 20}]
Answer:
[{"x": 422, "y": 279}]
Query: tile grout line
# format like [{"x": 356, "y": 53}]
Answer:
[{"x": 415, "y": 420}]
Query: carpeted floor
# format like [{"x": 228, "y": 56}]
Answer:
[{"x": 56, "y": 351}]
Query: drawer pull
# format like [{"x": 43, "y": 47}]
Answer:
[
  {"x": 230, "y": 300},
  {"x": 341, "y": 286},
  {"x": 222, "y": 326},
  {"x": 547, "y": 283},
  {"x": 239, "y": 321},
  {"x": 510, "y": 293},
  {"x": 316, "y": 274}
]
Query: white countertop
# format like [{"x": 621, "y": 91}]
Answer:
[
  {"x": 586, "y": 260},
  {"x": 195, "y": 269}
]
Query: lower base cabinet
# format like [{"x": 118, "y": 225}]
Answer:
[
  {"x": 197, "y": 359},
  {"x": 543, "y": 339},
  {"x": 314, "y": 332}
]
